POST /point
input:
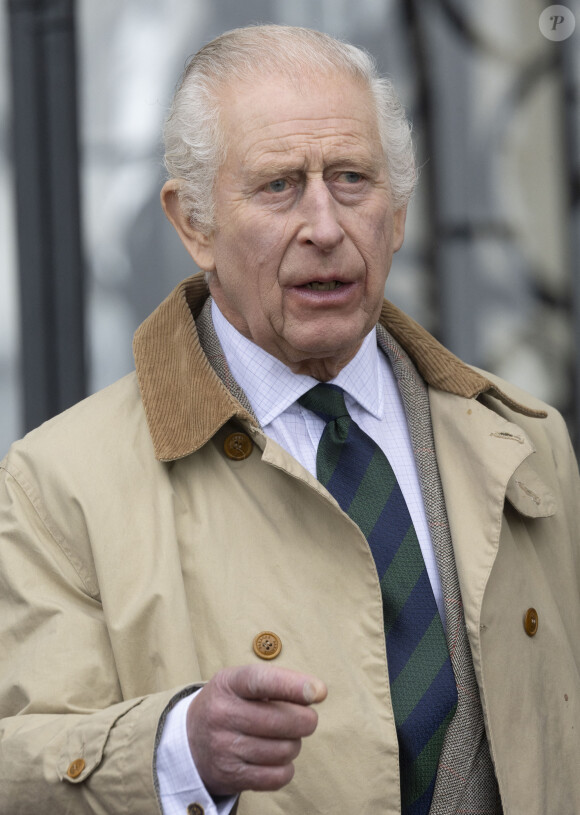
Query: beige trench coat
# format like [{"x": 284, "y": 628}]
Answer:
[{"x": 136, "y": 559}]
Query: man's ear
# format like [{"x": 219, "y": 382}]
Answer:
[
  {"x": 199, "y": 245},
  {"x": 399, "y": 219}
]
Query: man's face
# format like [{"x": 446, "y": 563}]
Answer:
[{"x": 305, "y": 229}]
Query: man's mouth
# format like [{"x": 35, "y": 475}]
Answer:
[{"x": 317, "y": 285}]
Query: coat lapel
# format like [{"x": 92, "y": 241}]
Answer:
[{"x": 482, "y": 458}]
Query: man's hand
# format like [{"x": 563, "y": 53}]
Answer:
[{"x": 245, "y": 727}]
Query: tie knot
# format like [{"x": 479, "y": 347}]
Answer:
[{"x": 327, "y": 401}]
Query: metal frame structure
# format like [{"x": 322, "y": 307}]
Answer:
[
  {"x": 46, "y": 170},
  {"x": 570, "y": 66}
]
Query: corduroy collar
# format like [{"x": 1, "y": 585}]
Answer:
[{"x": 186, "y": 403}]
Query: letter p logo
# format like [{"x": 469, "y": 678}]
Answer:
[{"x": 557, "y": 23}]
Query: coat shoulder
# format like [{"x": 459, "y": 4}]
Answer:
[
  {"x": 551, "y": 425},
  {"x": 86, "y": 430}
]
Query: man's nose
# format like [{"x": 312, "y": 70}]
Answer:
[{"x": 319, "y": 212}]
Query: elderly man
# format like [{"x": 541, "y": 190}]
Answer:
[{"x": 300, "y": 497}]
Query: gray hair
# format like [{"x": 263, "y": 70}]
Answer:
[{"x": 194, "y": 143}]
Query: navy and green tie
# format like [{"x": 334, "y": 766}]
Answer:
[{"x": 424, "y": 694}]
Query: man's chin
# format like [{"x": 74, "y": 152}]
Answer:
[{"x": 321, "y": 357}]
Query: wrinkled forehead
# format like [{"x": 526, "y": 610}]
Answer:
[{"x": 284, "y": 95}]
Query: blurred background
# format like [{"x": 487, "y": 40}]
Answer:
[{"x": 491, "y": 262}]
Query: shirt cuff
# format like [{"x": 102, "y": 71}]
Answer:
[{"x": 180, "y": 785}]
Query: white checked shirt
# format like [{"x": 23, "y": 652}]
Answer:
[{"x": 373, "y": 400}]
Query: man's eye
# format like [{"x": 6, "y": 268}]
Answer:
[
  {"x": 279, "y": 185},
  {"x": 351, "y": 177}
]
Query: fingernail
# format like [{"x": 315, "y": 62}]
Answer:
[{"x": 313, "y": 692}]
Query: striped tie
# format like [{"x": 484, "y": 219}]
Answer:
[{"x": 423, "y": 690}]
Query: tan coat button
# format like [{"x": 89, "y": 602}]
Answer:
[
  {"x": 531, "y": 622},
  {"x": 195, "y": 809},
  {"x": 267, "y": 645},
  {"x": 76, "y": 767},
  {"x": 238, "y": 446}
]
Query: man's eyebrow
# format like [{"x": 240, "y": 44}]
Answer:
[
  {"x": 367, "y": 163},
  {"x": 275, "y": 170}
]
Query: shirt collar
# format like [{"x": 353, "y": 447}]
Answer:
[{"x": 271, "y": 387}]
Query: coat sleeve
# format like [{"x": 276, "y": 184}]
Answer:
[{"x": 69, "y": 741}]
